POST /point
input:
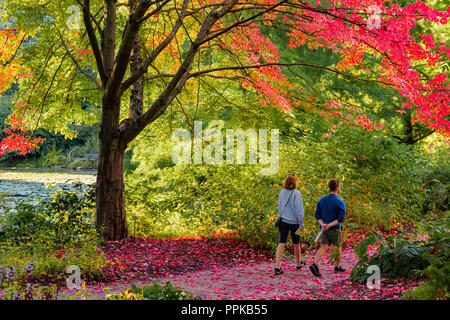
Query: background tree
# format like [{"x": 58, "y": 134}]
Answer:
[{"x": 134, "y": 44}]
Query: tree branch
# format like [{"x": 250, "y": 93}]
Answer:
[
  {"x": 76, "y": 62},
  {"x": 93, "y": 40},
  {"x": 177, "y": 82},
  {"x": 196, "y": 74},
  {"x": 123, "y": 55},
  {"x": 242, "y": 22},
  {"x": 128, "y": 82}
]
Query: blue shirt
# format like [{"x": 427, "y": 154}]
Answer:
[
  {"x": 293, "y": 213},
  {"x": 330, "y": 208}
]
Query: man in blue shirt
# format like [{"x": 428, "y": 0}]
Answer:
[{"x": 330, "y": 212}]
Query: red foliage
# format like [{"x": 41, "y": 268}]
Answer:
[
  {"x": 17, "y": 139},
  {"x": 343, "y": 26}
]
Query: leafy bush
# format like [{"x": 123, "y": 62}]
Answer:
[
  {"x": 126, "y": 295},
  {"x": 397, "y": 257},
  {"x": 437, "y": 286},
  {"x": 400, "y": 256},
  {"x": 382, "y": 184},
  {"x": 76, "y": 164},
  {"x": 156, "y": 291},
  {"x": 437, "y": 196},
  {"x": 52, "y": 157},
  {"x": 50, "y": 264},
  {"x": 65, "y": 217},
  {"x": 89, "y": 164},
  {"x": 53, "y": 234}
]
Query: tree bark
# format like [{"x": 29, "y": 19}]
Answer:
[
  {"x": 110, "y": 206},
  {"x": 114, "y": 137},
  {"x": 412, "y": 134},
  {"x": 409, "y": 138},
  {"x": 137, "y": 88}
]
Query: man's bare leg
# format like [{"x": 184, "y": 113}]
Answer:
[{"x": 319, "y": 254}]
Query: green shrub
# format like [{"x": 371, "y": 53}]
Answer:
[
  {"x": 54, "y": 233},
  {"x": 23, "y": 222},
  {"x": 89, "y": 164},
  {"x": 65, "y": 217},
  {"x": 76, "y": 164},
  {"x": 156, "y": 291},
  {"x": 437, "y": 286},
  {"x": 50, "y": 264},
  {"x": 396, "y": 257},
  {"x": 402, "y": 257},
  {"x": 52, "y": 157},
  {"x": 125, "y": 295}
]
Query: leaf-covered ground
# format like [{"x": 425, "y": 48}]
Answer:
[
  {"x": 222, "y": 268},
  {"x": 143, "y": 258}
]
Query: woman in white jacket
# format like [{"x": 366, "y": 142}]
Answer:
[{"x": 290, "y": 209}]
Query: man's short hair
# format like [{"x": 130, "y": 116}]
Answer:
[{"x": 333, "y": 184}]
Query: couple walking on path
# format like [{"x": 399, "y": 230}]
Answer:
[{"x": 330, "y": 212}]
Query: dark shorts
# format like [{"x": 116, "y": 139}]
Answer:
[
  {"x": 284, "y": 229},
  {"x": 333, "y": 237}
]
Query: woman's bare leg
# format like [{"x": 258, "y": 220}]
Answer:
[
  {"x": 279, "y": 254},
  {"x": 297, "y": 253}
]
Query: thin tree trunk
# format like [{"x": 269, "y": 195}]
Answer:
[{"x": 409, "y": 138}]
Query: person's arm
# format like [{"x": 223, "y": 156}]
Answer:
[
  {"x": 340, "y": 215},
  {"x": 332, "y": 223},
  {"x": 318, "y": 215},
  {"x": 300, "y": 209},
  {"x": 279, "y": 204},
  {"x": 341, "y": 212}
]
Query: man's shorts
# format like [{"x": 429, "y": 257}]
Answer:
[
  {"x": 284, "y": 229},
  {"x": 331, "y": 237}
]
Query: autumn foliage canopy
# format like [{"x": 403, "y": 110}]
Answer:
[{"x": 359, "y": 31}]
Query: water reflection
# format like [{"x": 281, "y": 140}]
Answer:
[{"x": 17, "y": 186}]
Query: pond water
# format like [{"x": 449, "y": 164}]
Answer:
[{"x": 19, "y": 185}]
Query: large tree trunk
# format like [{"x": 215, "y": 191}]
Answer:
[
  {"x": 113, "y": 139},
  {"x": 111, "y": 216}
]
